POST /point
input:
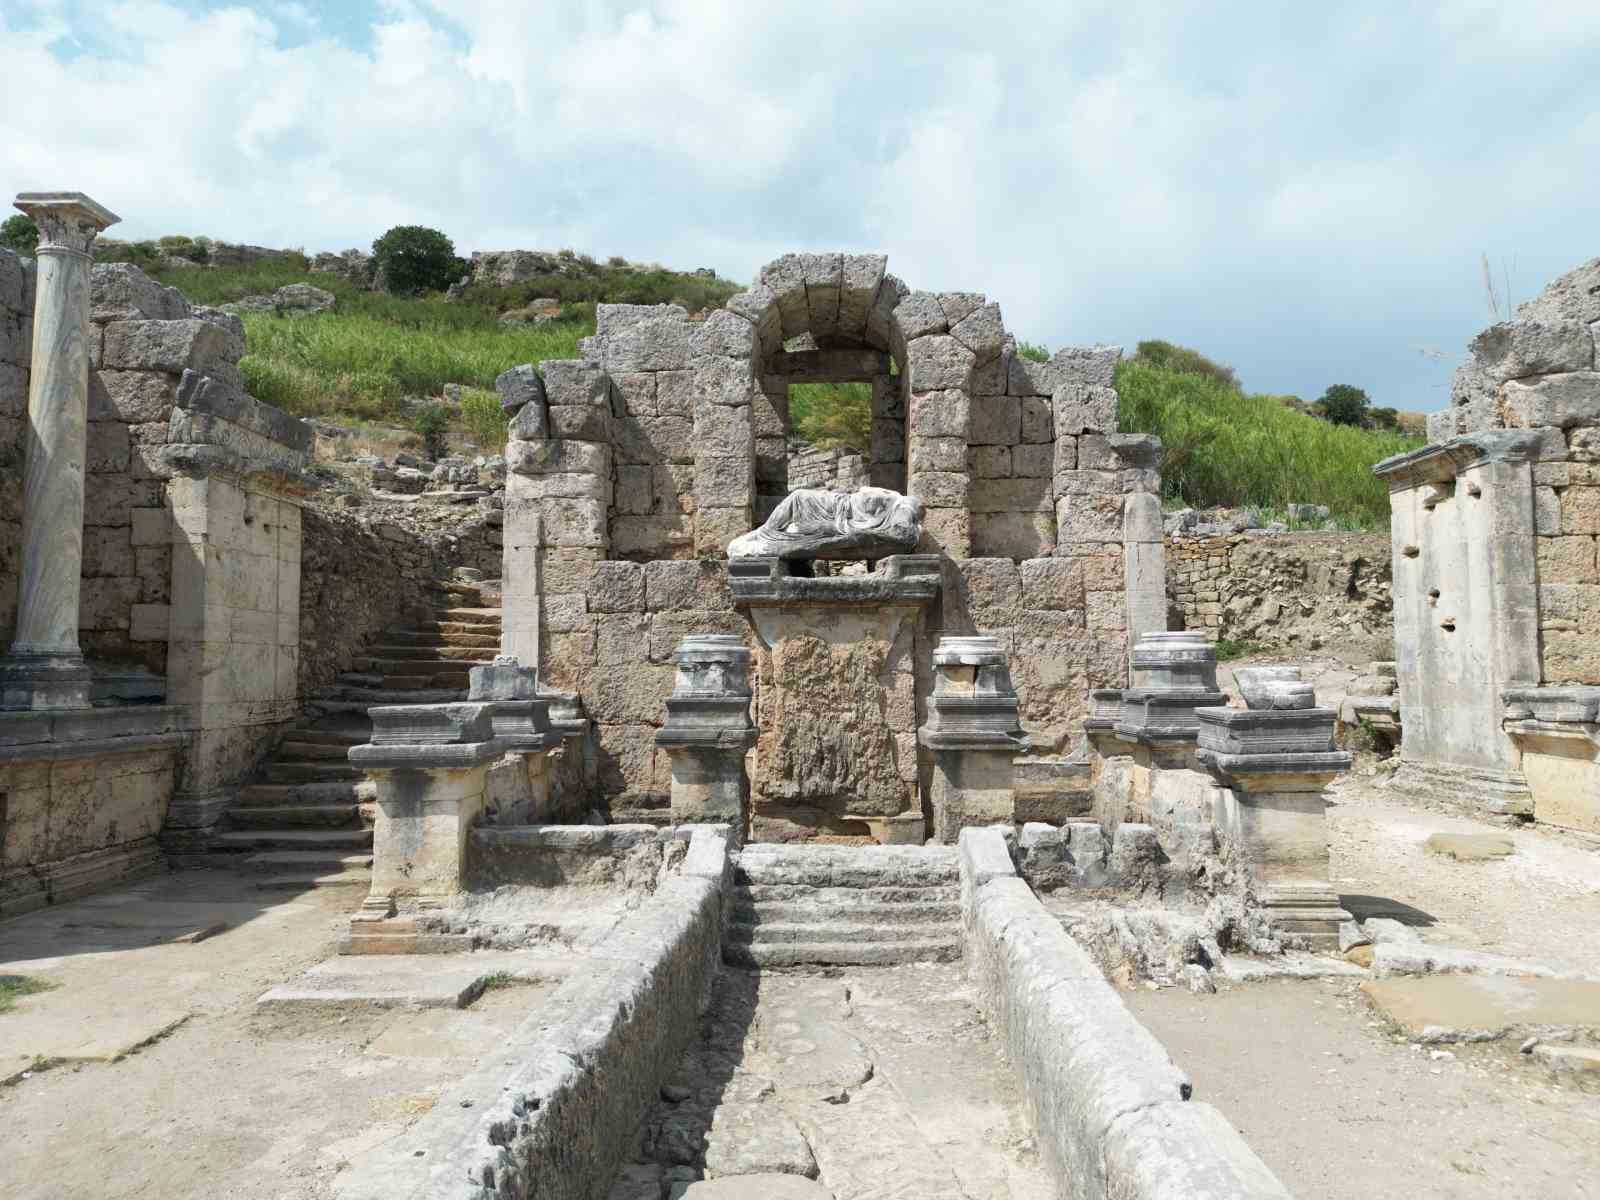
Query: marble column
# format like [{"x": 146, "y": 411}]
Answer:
[{"x": 45, "y": 668}]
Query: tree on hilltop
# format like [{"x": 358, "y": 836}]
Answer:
[
  {"x": 414, "y": 258},
  {"x": 1344, "y": 404},
  {"x": 20, "y": 235}
]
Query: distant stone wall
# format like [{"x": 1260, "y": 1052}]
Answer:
[
  {"x": 1283, "y": 589},
  {"x": 838, "y": 470},
  {"x": 16, "y": 350}
]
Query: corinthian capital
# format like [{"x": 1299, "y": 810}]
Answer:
[{"x": 68, "y": 221}]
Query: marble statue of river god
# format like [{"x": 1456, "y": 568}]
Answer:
[{"x": 811, "y": 523}]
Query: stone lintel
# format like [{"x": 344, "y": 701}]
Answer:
[
  {"x": 1274, "y": 772},
  {"x": 75, "y": 728},
  {"x": 1553, "y": 705},
  {"x": 432, "y": 724},
  {"x": 904, "y": 579},
  {"x": 1443, "y": 461},
  {"x": 829, "y": 365},
  {"x": 283, "y": 480}
]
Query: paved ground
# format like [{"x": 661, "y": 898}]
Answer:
[
  {"x": 225, "y": 1101},
  {"x": 881, "y": 1083},
  {"x": 1342, "y": 1111}
]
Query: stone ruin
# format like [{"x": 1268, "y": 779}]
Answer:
[{"x": 915, "y": 704}]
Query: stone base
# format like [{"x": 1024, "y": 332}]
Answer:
[
  {"x": 400, "y": 935},
  {"x": 43, "y": 681},
  {"x": 1469, "y": 789},
  {"x": 81, "y": 875},
  {"x": 193, "y": 815},
  {"x": 907, "y": 829},
  {"x": 1309, "y": 913}
]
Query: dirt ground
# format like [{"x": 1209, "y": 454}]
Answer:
[
  {"x": 226, "y": 1100},
  {"x": 1343, "y": 1111}
]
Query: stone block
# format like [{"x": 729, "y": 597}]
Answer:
[
  {"x": 13, "y": 282},
  {"x": 201, "y": 396},
  {"x": 715, "y": 528},
  {"x": 1033, "y": 462},
  {"x": 920, "y": 314},
  {"x": 723, "y": 382},
  {"x": 938, "y": 454},
  {"x": 720, "y": 431},
  {"x": 981, "y": 331},
  {"x": 1079, "y": 408},
  {"x": 1038, "y": 419},
  {"x": 996, "y": 421},
  {"x": 672, "y": 488},
  {"x": 947, "y": 531},
  {"x": 986, "y": 462},
  {"x": 1179, "y": 1151},
  {"x": 1088, "y": 518},
  {"x": 583, "y": 423},
  {"x": 724, "y": 334},
  {"x": 654, "y": 439},
  {"x": 1580, "y": 510},
  {"x": 938, "y": 362},
  {"x": 1052, "y": 584},
  {"x": 674, "y": 393},
  {"x": 518, "y": 387},
  {"x": 888, "y": 441},
  {"x": 723, "y": 482},
  {"x": 1583, "y": 445},
  {"x": 107, "y": 448},
  {"x": 679, "y": 586},
  {"x": 171, "y": 346},
  {"x": 122, "y": 292},
  {"x": 531, "y": 423},
  {"x": 633, "y": 394},
  {"x": 769, "y": 414},
  {"x": 617, "y": 587},
  {"x": 645, "y": 342},
  {"x": 1561, "y": 400},
  {"x": 131, "y": 396},
  {"x": 575, "y": 523},
  {"x": 651, "y": 537},
  {"x": 1011, "y": 495},
  {"x": 1087, "y": 483},
  {"x": 554, "y": 457},
  {"x": 991, "y": 590},
  {"x": 1015, "y": 535},
  {"x": 13, "y": 391},
  {"x": 772, "y": 460},
  {"x": 939, "y": 414},
  {"x": 149, "y": 622},
  {"x": 1515, "y": 349},
  {"x": 1064, "y": 453},
  {"x": 939, "y": 489},
  {"x": 1567, "y": 559}
]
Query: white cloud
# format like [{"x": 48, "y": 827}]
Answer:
[{"x": 1304, "y": 193}]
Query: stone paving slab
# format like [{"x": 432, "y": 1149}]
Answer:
[
  {"x": 407, "y": 980},
  {"x": 60, "y": 1036},
  {"x": 1450, "y": 1008}
]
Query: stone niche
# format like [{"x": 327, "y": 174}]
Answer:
[{"x": 840, "y": 670}]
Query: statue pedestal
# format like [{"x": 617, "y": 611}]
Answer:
[
  {"x": 842, "y": 661},
  {"x": 974, "y": 735}
]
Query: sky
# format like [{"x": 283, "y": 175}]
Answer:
[{"x": 1306, "y": 192}]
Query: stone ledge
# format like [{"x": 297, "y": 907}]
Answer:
[
  {"x": 911, "y": 579},
  {"x": 1110, "y": 1108}
]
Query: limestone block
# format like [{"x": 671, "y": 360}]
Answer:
[
  {"x": 172, "y": 346},
  {"x": 888, "y": 441},
  {"x": 1514, "y": 349},
  {"x": 939, "y": 414},
  {"x": 1051, "y": 584},
  {"x": 981, "y": 331},
  {"x": 1011, "y": 495},
  {"x": 996, "y": 421},
  {"x": 13, "y": 391},
  {"x": 947, "y": 531},
  {"x": 677, "y": 586},
  {"x": 721, "y": 431},
  {"x": 582, "y": 423},
  {"x": 861, "y": 276},
  {"x": 715, "y": 528},
  {"x": 633, "y": 394},
  {"x": 986, "y": 462},
  {"x": 772, "y": 460},
  {"x": 575, "y": 523},
  {"x": 122, "y": 292},
  {"x": 1016, "y": 535},
  {"x": 723, "y": 482},
  {"x": 723, "y": 381},
  {"x": 1583, "y": 445},
  {"x": 13, "y": 282},
  {"x": 1580, "y": 510},
  {"x": 633, "y": 493},
  {"x": 1179, "y": 1151},
  {"x": 674, "y": 393},
  {"x": 107, "y": 448},
  {"x": 769, "y": 414},
  {"x": 1562, "y": 400},
  {"x": 1086, "y": 483},
  {"x": 938, "y": 362},
  {"x": 1546, "y": 512},
  {"x": 725, "y": 334},
  {"x": 1038, "y": 419},
  {"x": 1064, "y": 453},
  {"x": 1570, "y": 656},
  {"x": 672, "y": 488},
  {"x": 556, "y": 457},
  {"x": 655, "y": 340},
  {"x": 531, "y": 423},
  {"x": 1567, "y": 559},
  {"x": 938, "y": 454},
  {"x": 616, "y": 587},
  {"x": 888, "y": 401},
  {"x": 1088, "y": 518},
  {"x": 1078, "y": 408},
  {"x": 1033, "y": 462},
  {"x": 660, "y": 536},
  {"x": 668, "y": 629},
  {"x": 939, "y": 489},
  {"x": 991, "y": 589},
  {"x": 920, "y": 314}
]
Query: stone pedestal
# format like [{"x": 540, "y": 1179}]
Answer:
[
  {"x": 1274, "y": 761},
  {"x": 1557, "y": 732},
  {"x": 974, "y": 735},
  {"x": 1173, "y": 675},
  {"x": 708, "y": 730},
  {"x": 842, "y": 661},
  {"x": 430, "y": 764},
  {"x": 45, "y": 668}
]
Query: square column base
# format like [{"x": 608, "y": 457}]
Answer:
[
  {"x": 44, "y": 681},
  {"x": 709, "y": 785},
  {"x": 972, "y": 787}
]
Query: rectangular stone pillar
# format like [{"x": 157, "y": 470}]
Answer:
[
  {"x": 708, "y": 731},
  {"x": 974, "y": 735}
]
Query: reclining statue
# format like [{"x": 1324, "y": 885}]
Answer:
[{"x": 811, "y": 523}]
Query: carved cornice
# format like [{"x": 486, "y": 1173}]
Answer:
[{"x": 68, "y": 221}]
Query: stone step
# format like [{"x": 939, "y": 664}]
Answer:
[
  {"x": 399, "y": 682},
  {"x": 469, "y": 616},
  {"x": 264, "y": 795},
  {"x": 364, "y": 697},
  {"x": 825, "y": 932},
  {"x": 330, "y": 732},
  {"x": 297, "y": 870},
  {"x": 765, "y": 894},
  {"x": 285, "y": 770},
  {"x": 412, "y": 666},
  {"x": 849, "y": 867},
  {"x": 294, "y": 816},
  {"x": 448, "y": 634},
  {"x": 803, "y": 912},
  {"x": 794, "y": 954},
  {"x": 293, "y": 839},
  {"x": 471, "y": 655},
  {"x": 300, "y": 747}
]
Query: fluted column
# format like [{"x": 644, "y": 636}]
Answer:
[{"x": 45, "y": 668}]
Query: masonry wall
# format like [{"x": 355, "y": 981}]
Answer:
[
  {"x": 668, "y": 439},
  {"x": 1291, "y": 589},
  {"x": 16, "y": 349}
]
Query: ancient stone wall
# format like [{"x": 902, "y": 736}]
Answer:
[
  {"x": 16, "y": 349},
  {"x": 631, "y": 469},
  {"x": 1288, "y": 589}
]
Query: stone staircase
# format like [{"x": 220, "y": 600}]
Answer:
[
  {"x": 305, "y": 820},
  {"x": 855, "y": 905}
]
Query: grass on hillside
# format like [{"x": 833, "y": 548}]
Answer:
[
  {"x": 829, "y": 415},
  {"x": 1225, "y": 447}
]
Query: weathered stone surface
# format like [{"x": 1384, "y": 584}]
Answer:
[
  {"x": 724, "y": 334},
  {"x": 1470, "y": 847},
  {"x": 996, "y": 420},
  {"x": 617, "y": 587},
  {"x": 519, "y": 386},
  {"x": 981, "y": 331},
  {"x": 122, "y": 292},
  {"x": 938, "y": 361},
  {"x": 1513, "y": 349},
  {"x": 920, "y": 314},
  {"x": 1080, "y": 408},
  {"x": 135, "y": 397},
  {"x": 1574, "y": 296},
  {"x": 1562, "y": 400},
  {"x": 171, "y": 346},
  {"x": 650, "y": 338},
  {"x": 939, "y": 414},
  {"x": 752, "y": 1187}
]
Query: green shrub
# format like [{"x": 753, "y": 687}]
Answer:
[
  {"x": 1345, "y": 405},
  {"x": 431, "y": 424},
  {"x": 1224, "y": 447},
  {"x": 829, "y": 415},
  {"x": 1229, "y": 650},
  {"x": 1169, "y": 357},
  {"x": 185, "y": 247},
  {"x": 413, "y": 259},
  {"x": 20, "y": 235},
  {"x": 1033, "y": 352},
  {"x": 484, "y": 419}
]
